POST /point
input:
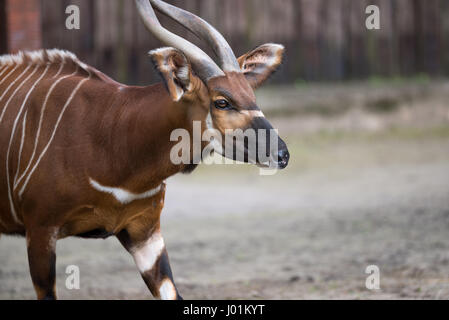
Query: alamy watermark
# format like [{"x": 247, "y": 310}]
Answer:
[
  {"x": 373, "y": 20},
  {"x": 72, "y": 281},
  {"x": 73, "y": 19},
  {"x": 373, "y": 280}
]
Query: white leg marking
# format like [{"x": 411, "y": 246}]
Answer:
[
  {"x": 44, "y": 107},
  {"x": 145, "y": 256},
  {"x": 167, "y": 290},
  {"x": 123, "y": 196},
  {"x": 53, "y": 133},
  {"x": 13, "y": 131},
  {"x": 9, "y": 73}
]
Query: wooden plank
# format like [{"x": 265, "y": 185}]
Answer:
[
  {"x": 3, "y": 30},
  {"x": 325, "y": 39}
]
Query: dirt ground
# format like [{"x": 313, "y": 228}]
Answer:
[{"x": 353, "y": 196}]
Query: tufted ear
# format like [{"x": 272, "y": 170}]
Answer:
[
  {"x": 258, "y": 65},
  {"x": 174, "y": 69}
]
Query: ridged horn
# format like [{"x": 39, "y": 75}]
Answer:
[
  {"x": 202, "y": 64},
  {"x": 203, "y": 30}
]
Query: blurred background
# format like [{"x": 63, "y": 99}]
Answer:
[
  {"x": 365, "y": 115},
  {"x": 326, "y": 40}
]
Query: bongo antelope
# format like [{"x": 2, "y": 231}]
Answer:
[{"x": 83, "y": 155}]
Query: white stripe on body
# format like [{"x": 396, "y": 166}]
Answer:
[
  {"x": 22, "y": 140},
  {"x": 14, "y": 81},
  {"x": 1, "y": 81},
  {"x": 69, "y": 100},
  {"x": 9, "y": 73},
  {"x": 13, "y": 211},
  {"x": 11, "y": 96},
  {"x": 44, "y": 107},
  {"x": 3, "y": 68},
  {"x": 60, "y": 68},
  {"x": 124, "y": 196}
]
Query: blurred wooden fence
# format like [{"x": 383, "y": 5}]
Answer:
[{"x": 325, "y": 39}]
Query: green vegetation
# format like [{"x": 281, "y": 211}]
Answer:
[{"x": 420, "y": 78}]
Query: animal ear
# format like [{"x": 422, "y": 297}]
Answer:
[
  {"x": 258, "y": 65},
  {"x": 174, "y": 68}
]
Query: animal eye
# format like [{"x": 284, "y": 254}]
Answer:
[{"x": 222, "y": 104}]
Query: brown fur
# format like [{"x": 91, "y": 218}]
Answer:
[{"x": 116, "y": 134}]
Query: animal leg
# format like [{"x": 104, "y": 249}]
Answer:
[
  {"x": 152, "y": 261},
  {"x": 42, "y": 260}
]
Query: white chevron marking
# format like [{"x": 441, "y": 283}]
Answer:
[{"x": 124, "y": 196}]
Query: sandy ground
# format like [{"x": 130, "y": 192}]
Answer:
[{"x": 347, "y": 201}]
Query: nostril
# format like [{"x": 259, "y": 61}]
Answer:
[{"x": 283, "y": 156}]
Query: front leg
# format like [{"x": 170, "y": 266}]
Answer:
[
  {"x": 151, "y": 258},
  {"x": 42, "y": 260}
]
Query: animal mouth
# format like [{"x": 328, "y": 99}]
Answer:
[{"x": 272, "y": 164}]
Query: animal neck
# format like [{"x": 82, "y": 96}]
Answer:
[{"x": 140, "y": 127}]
